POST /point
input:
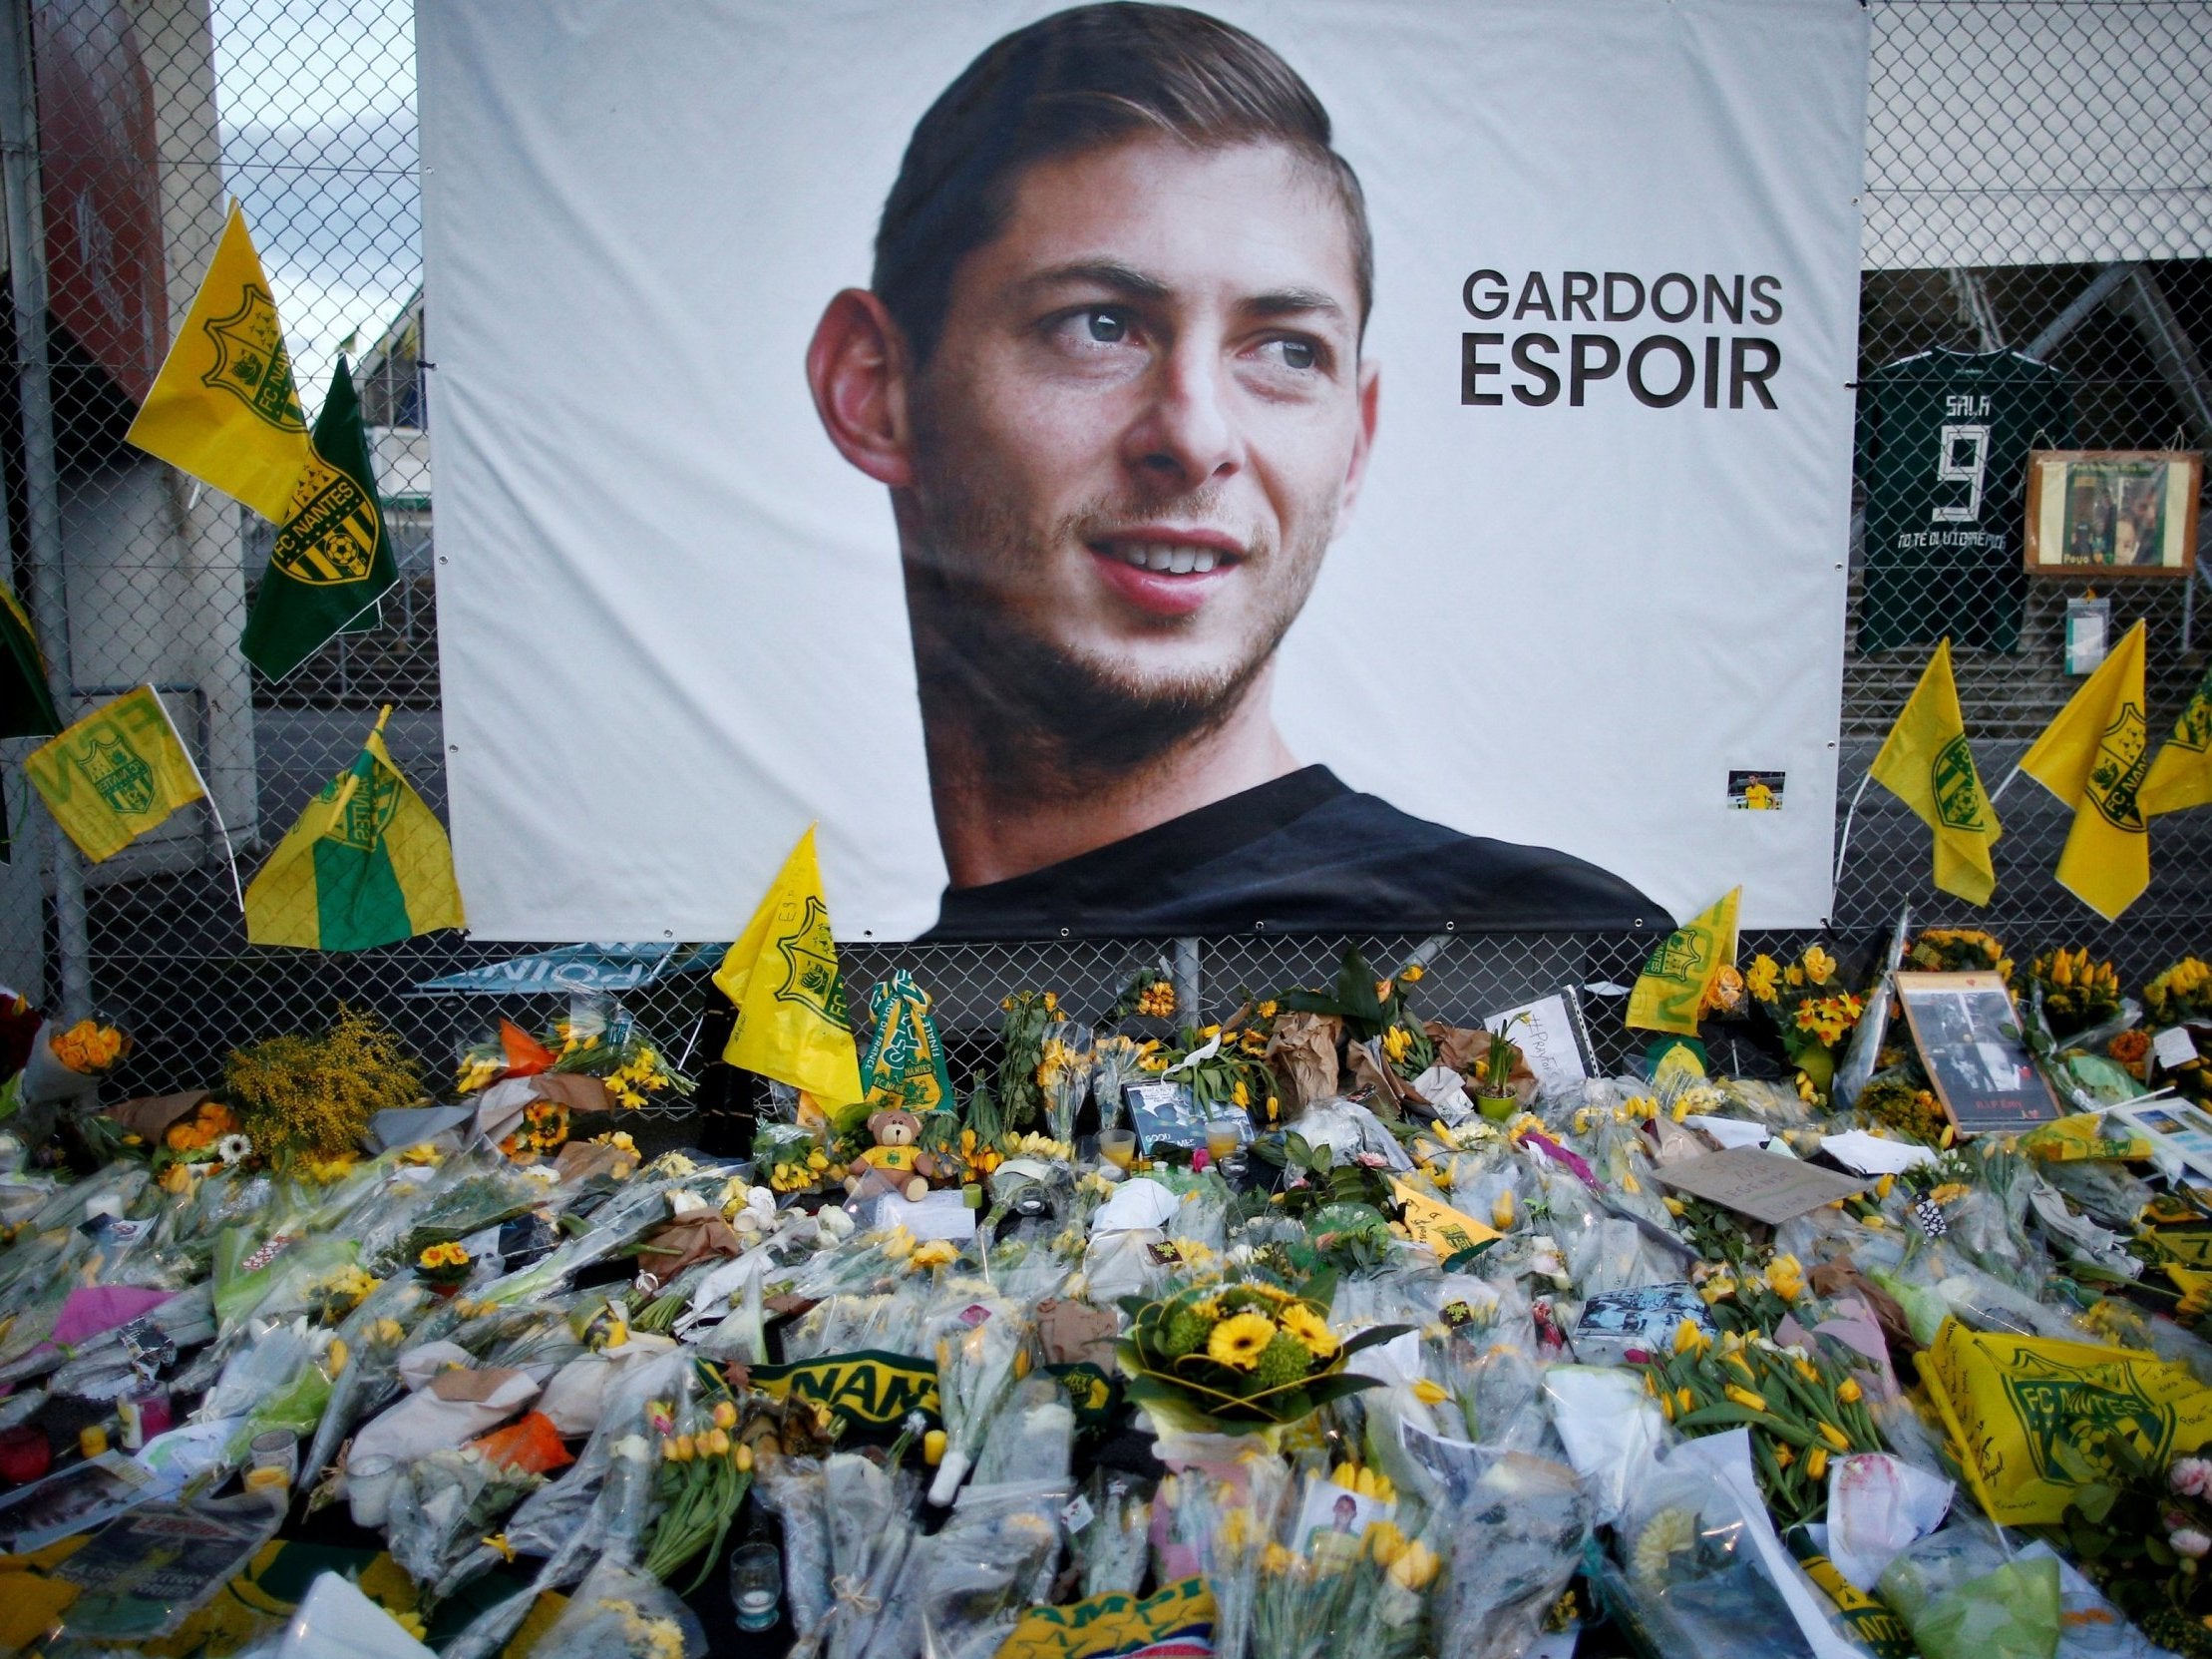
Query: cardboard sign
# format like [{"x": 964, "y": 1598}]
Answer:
[
  {"x": 1968, "y": 1034},
  {"x": 1552, "y": 1039},
  {"x": 1762, "y": 1185}
]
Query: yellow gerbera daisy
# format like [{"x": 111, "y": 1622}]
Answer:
[
  {"x": 1310, "y": 1329},
  {"x": 1239, "y": 1341}
]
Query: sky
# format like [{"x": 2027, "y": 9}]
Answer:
[{"x": 316, "y": 100}]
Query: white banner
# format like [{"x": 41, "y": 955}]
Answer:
[{"x": 1026, "y": 523}]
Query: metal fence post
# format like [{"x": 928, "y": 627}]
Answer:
[{"x": 19, "y": 154}]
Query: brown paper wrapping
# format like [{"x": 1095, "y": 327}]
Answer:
[{"x": 1302, "y": 1053}]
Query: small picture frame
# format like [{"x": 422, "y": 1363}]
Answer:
[
  {"x": 1969, "y": 1035},
  {"x": 2112, "y": 512}
]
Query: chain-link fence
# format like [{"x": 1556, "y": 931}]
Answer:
[{"x": 2039, "y": 183}]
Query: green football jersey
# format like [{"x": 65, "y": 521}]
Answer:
[{"x": 1944, "y": 439}]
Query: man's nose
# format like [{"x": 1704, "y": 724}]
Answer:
[{"x": 1186, "y": 435}]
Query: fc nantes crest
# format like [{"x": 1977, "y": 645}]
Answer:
[
  {"x": 2122, "y": 763},
  {"x": 118, "y": 773},
  {"x": 811, "y": 977},
  {"x": 1681, "y": 957},
  {"x": 251, "y": 363},
  {"x": 1957, "y": 787},
  {"x": 330, "y": 534}
]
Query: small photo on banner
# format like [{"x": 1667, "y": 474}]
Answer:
[{"x": 1757, "y": 791}]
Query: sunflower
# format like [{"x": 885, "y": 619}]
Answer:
[
  {"x": 1239, "y": 1341},
  {"x": 1310, "y": 1329}
]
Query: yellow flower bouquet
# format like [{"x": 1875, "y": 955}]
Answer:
[{"x": 1239, "y": 1358}]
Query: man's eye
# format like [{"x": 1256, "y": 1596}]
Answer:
[
  {"x": 1107, "y": 327},
  {"x": 1299, "y": 354}
]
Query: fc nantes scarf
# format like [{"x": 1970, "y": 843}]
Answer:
[{"x": 367, "y": 864}]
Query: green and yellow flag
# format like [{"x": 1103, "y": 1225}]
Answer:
[
  {"x": 782, "y": 974},
  {"x": 367, "y": 864},
  {"x": 224, "y": 408},
  {"x": 1675, "y": 981},
  {"x": 2181, "y": 777},
  {"x": 115, "y": 774},
  {"x": 1925, "y": 762},
  {"x": 2095, "y": 756},
  {"x": 25, "y": 701},
  {"x": 333, "y": 558}
]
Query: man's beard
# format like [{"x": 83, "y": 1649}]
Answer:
[{"x": 1035, "y": 712}]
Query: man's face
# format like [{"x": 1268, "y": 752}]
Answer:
[{"x": 1142, "y": 421}]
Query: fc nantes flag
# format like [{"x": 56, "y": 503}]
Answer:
[
  {"x": 115, "y": 774},
  {"x": 2095, "y": 756},
  {"x": 223, "y": 407},
  {"x": 26, "y": 702},
  {"x": 1925, "y": 762},
  {"x": 1675, "y": 982},
  {"x": 2181, "y": 777},
  {"x": 782, "y": 973},
  {"x": 333, "y": 558},
  {"x": 367, "y": 864}
]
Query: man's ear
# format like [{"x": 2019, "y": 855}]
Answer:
[
  {"x": 857, "y": 369},
  {"x": 1370, "y": 386}
]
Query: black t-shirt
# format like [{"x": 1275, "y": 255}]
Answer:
[{"x": 1302, "y": 854}]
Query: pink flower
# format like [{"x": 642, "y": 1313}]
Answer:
[
  {"x": 2190, "y": 1542},
  {"x": 1372, "y": 1160},
  {"x": 2191, "y": 1476}
]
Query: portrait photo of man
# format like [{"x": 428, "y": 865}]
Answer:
[{"x": 1109, "y": 366}]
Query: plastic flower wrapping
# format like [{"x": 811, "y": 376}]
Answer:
[{"x": 1394, "y": 1377}]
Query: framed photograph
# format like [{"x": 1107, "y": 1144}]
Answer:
[
  {"x": 1164, "y": 1115},
  {"x": 1969, "y": 1038},
  {"x": 2112, "y": 512}
]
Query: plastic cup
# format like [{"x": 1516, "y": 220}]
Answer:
[{"x": 1118, "y": 1146}]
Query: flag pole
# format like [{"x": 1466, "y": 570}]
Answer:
[
  {"x": 1998, "y": 793},
  {"x": 1843, "y": 841},
  {"x": 230, "y": 853}
]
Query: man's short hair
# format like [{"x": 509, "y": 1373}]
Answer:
[{"x": 1074, "y": 81}]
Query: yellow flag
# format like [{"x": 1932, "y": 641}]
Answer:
[
  {"x": 224, "y": 408},
  {"x": 1925, "y": 762},
  {"x": 2094, "y": 757},
  {"x": 2181, "y": 777},
  {"x": 115, "y": 774},
  {"x": 782, "y": 974},
  {"x": 1675, "y": 982}
]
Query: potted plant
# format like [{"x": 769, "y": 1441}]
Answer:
[{"x": 1494, "y": 1095}]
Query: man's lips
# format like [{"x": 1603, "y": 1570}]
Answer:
[{"x": 1165, "y": 573}]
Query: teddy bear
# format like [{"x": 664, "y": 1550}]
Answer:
[{"x": 893, "y": 1163}]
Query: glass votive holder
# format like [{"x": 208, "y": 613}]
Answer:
[{"x": 756, "y": 1584}]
